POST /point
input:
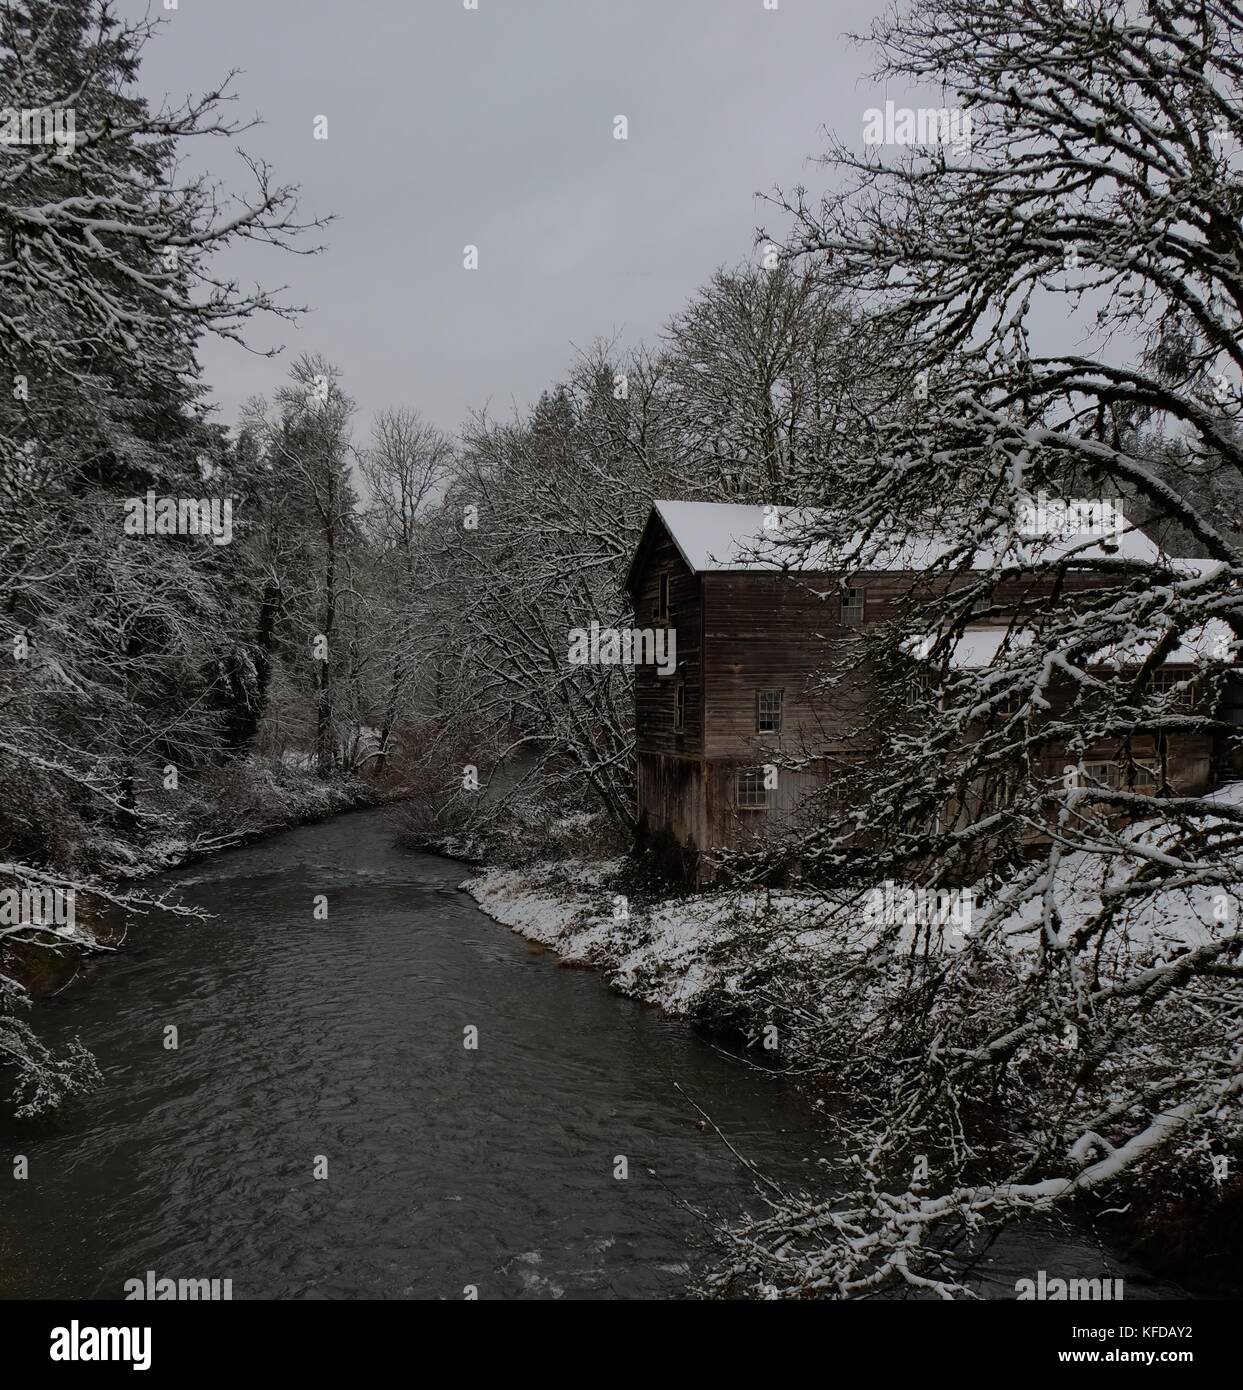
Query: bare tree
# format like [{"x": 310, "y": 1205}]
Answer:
[
  {"x": 406, "y": 467},
  {"x": 308, "y": 444},
  {"x": 1094, "y": 1003},
  {"x": 114, "y": 647},
  {"x": 763, "y": 373}
]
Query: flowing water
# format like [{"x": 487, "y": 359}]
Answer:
[{"x": 304, "y": 1042}]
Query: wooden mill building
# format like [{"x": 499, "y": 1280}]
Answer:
[{"x": 755, "y": 623}]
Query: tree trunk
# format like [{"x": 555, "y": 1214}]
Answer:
[{"x": 325, "y": 750}]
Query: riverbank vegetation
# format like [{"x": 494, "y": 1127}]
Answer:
[
  {"x": 391, "y": 608},
  {"x": 823, "y": 985},
  {"x": 163, "y": 582},
  {"x": 1092, "y": 1053}
]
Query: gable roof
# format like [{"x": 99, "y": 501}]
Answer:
[{"x": 739, "y": 537}]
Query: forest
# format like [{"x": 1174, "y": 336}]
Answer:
[{"x": 213, "y": 629}]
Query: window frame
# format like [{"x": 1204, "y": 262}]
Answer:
[
  {"x": 661, "y": 610},
  {"x": 679, "y": 707},
  {"x": 849, "y": 607},
  {"x": 1111, "y": 781},
  {"x": 779, "y": 695},
  {"x": 1174, "y": 677},
  {"x": 1116, "y": 775},
  {"x": 1140, "y": 784},
  {"x": 1010, "y": 705},
  {"x": 741, "y": 790}
]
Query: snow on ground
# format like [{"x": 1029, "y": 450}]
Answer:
[
  {"x": 677, "y": 953},
  {"x": 1171, "y": 920},
  {"x": 686, "y": 952},
  {"x": 550, "y": 903}
]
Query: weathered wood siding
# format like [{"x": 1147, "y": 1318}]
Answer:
[
  {"x": 1185, "y": 760},
  {"x": 654, "y": 693},
  {"x": 730, "y": 826},
  {"x": 671, "y": 796},
  {"x": 742, "y": 633},
  {"x": 778, "y": 632}
]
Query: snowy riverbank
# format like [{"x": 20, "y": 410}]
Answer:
[
  {"x": 747, "y": 959},
  {"x": 819, "y": 985},
  {"x": 207, "y": 815},
  {"x": 734, "y": 960}
]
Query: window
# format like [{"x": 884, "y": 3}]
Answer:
[
  {"x": 1010, "y": 704},
  {"x": 661, "y": 612},
  {"x": 1102, "y": 775},
  {"x": 1115, "y": 776},
  {"x": 751, "y": 793},
  {"x": 1000, "y": 788},
  {"x": 679, "y": 707},
  {"x": 852, "y": 607},
  {"x": 1174, "y": 684},
  {"x": 768, "y": 705}
]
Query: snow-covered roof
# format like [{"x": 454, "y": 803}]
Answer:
[
  {"x": 741, "y": 536},
  {"x": 979, "y": 647},
  {"x": 1211, "y": 641},
  {"x": 734, "y": 536},
  {"x": 712, "y": 535}
]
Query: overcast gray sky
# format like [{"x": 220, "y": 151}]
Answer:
[{"x": 495, "y": 127}]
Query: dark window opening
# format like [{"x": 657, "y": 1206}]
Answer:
[
  {"x": 768, "y": 711},
  {"x": 852, "y": 607}
]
